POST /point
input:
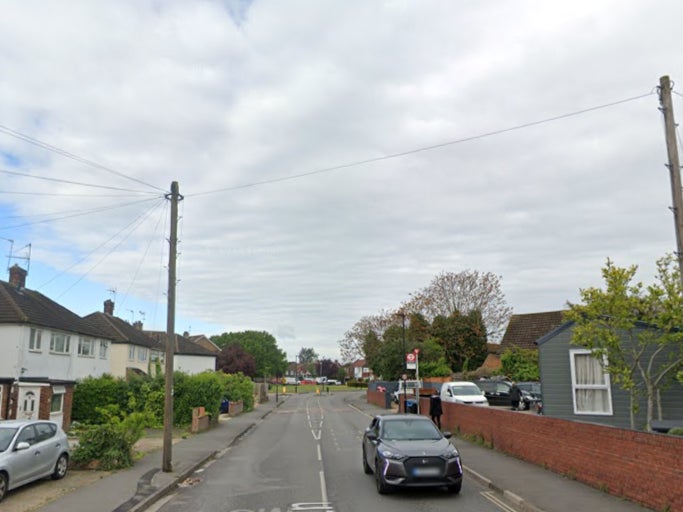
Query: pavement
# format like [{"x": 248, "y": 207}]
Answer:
[{"x": 530, "y": 488}]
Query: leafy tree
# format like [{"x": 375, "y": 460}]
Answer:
[
  {"x": 307, "y": 355},
  {"x": 635, "y": 329},
  {"x": 463, "y": 338},
  {"x": 391, "y": 361},
  {"x": 329, "y": 368},
  {"x": 269, "y": 358},
  {"x": 520, "y": 364},
  {"x": 235, "y": 359},
  {"x": 432, "y": 359},
  {"x": 465, "y": 292}
]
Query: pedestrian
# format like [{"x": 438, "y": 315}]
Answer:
[
  {"x": 435, "y": 409},
  {"x": 515, "y": 396}
]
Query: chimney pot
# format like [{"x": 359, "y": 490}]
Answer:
[{"x": 109, "y": 307}]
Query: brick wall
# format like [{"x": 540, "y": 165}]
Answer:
[{"x": 644, "y": 467}]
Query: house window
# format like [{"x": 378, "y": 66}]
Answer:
[
  {"x": 86, "y": 347},
  {"x": 142, "y": 354},
  {"x": 34, "y": 342},
  {"x": 57, "y": 403},
  {"x": 60, "y": 343},
  {"x": 590, "y": 384},
  {"x": 104, "y": 348},
  {"x": 131, "y": 353}
]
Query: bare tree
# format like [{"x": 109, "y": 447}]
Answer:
[
  {"x": 351, "y": 347},
  {"x": 465, "y": 292}
]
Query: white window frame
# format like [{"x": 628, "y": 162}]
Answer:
[
  {"x": 35, "y": 340},
  {"x": 58, "y": 393},
  {"x": 86, "y": 347},
  {"x": 131, "y": 352},
  {"x": 104, "y": 349},
  {"x": 605, "y": 386},
  {"x": 142, "y": 354},
  {"x": 60, "y": 343}
]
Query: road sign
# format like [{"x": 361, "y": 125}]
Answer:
[{"x": 411, "y": 361}]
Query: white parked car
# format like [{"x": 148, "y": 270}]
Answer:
[
  {"x": 31, "y": 450},
  {"x": 463, "y": 392}
]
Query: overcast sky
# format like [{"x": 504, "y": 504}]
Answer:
[{"x": 292, "y": 128}]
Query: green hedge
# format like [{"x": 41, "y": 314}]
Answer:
[{"x": 97, "y": 399}]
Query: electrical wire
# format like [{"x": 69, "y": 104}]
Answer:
[
  {"x": 68, "y": 212},
  {"x": 79, "y": 214},
  {"x": 57, "y": 180},
  {"x": 44, "y": 145},
  {"x": 425, "y": 148},
  {"x": 144, "y": 257},
  {"x": 50, "y": 194},
  {"x": 135, "y": 224}
]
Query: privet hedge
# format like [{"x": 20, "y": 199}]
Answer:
[{"x": 96, "y": 399}]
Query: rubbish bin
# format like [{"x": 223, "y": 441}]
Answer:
[
  {"x": 225, "y": 406},
  {"x": 411, "y": 406}
]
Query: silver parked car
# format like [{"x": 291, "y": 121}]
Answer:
[{"x": 30, "y": 450}]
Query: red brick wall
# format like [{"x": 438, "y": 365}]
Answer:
[{"x": 644, "y": 467}]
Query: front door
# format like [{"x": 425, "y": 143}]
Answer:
[{"x": 29, "y": 402}]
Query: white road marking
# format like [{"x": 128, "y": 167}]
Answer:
[{"x": 489, "y": 495}]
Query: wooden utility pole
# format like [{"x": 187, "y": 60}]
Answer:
[
  {"x": 674, "y": 164},
  {"x": 167, "y": 459}
]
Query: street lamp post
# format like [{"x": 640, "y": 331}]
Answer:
[{"x": 403, "y": 363}]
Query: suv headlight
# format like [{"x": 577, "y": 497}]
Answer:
[
  {"x": 390, "y": 454},
  {"x": 450, "y": 453}
]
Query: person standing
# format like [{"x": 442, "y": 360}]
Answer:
[
  {"x": 435, "y": 410},
  {"x": 515, "y": 396}
]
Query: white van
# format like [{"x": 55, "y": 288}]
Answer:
[{"x": 463, "y": 392}]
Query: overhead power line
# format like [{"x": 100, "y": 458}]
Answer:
[
  {"x": 49, "y": 147},
  {"x": 425, "y": 148},
  {"x": 79, "y": 213},
  {"x": 69, "y": 182}
]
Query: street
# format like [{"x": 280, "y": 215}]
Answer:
[{"x": 306, "y": 455}]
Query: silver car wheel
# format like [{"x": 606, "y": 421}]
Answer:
[{"x": 60, "y": 467}]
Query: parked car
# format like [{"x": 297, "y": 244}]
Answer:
[
  {"x": 535, "y": 397},
  {"x": 410, "y": 387},
  {"x": 31, "y": 450},
  {"x": 463, "y": 392},
  {"x": 407, "y": 450},
  {"x": 497, "y": 392}
]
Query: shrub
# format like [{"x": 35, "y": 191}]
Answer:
[
  {"x": 676, "y": 431},
  {"x": 237, "y": 386},
  {"x": 92, "y": 393},
  {"x": 202, "y": 390},
  {"x": 109, "y": 446}
]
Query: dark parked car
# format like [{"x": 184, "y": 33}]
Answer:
[
  {"x": 407, "y": 450},
  {"x": 497, "y": 392},
  {"x": 533, "y": 392},
  {"x": 31, "y": 450}
]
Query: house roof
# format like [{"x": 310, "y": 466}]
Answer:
[
  {"x": 121, "y": 331},
  {"x": 183, "y": 346},
  {"x": 204, "y": 341},
  {"x": 23, "y": 306},
  {"x": 524, "y": 330}
]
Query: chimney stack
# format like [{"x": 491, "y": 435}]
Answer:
[
  {"x": 17, "y": 276},
  {"x": 109, "y": 307},
  {"x": 138, "y": 325}
]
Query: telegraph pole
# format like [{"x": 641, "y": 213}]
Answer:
[
  {"x": 674, "y": 165},
  {"x": 175, "y": 197}
]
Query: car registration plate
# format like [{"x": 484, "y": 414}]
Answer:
[{"x": 429, "y": 471}]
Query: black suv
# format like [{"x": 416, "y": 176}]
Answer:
[{"x": 497, "y": 392}]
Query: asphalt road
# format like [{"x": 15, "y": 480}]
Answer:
[{"x": 306, "y": 455}]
